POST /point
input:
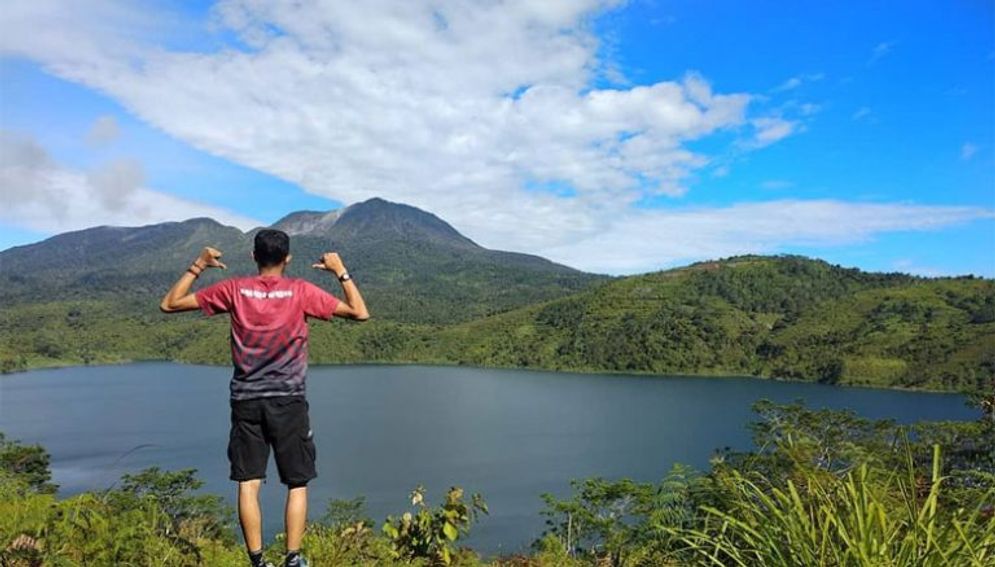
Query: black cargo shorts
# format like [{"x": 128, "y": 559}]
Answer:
[{"x": 281, "y": 422}]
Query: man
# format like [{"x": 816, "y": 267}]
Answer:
[{"x": 269, "y": 347}]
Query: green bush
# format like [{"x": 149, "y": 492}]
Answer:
[{"x": 432, "y": 533}]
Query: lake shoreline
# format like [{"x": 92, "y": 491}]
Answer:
[{"x": 445, "y": 364}]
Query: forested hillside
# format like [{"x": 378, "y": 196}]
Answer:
[
  {"x": 781, "y": 317},
  {"x": 786, "y": 317}
]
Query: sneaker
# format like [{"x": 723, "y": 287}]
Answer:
[{"x": 268, "y": 564}]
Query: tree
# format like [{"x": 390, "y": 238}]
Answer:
[{"x": 28, "y": 463}]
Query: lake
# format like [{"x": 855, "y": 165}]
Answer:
[{"x": 381, "y": 430}]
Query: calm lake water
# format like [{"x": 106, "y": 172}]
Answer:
[{"x": 381, "y": 430}]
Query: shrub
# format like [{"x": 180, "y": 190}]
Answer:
[{"x": 429, "y": 533}]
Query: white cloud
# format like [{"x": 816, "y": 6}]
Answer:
[
  {"x": 881, "y": 50},
  {"x": 861, "y": 113},
  {"x": 967, "y": 151},
  {"x": 808, "y": 108},
  {"x": 452, "y": 106},
  {"x": 792, "y": 83},
  {"x": 116, "y": 183},
  {"x": 654, "y": 239},
  {"x": 771, "y": 129},
  {"x": 799, "y": 80},
  {"x": 104, "y": 131},
  {"x": 41, "y": 195}
]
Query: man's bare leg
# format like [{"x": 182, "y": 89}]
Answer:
[
  {"x": 249, "y": 515},
  {"x": 295, "y": 516}
]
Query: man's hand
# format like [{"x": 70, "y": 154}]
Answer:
[
  {"x": 179, "y": 298},
  {"x": 210, "y": 258},
  {"x": 353, "y": 307},
  {"x": 330, "y": 261}
]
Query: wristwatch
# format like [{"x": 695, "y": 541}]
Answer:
[{"x": 345, "y": 277}]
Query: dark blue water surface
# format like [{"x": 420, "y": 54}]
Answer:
[{"x": 382, "y": 430}]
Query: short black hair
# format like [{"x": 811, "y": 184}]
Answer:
[{"x": 271, "y": 247}]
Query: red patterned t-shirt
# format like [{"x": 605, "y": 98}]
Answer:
[{"x": 269, "y": 333}]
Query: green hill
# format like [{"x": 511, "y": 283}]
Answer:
[
  {"x": 784, "y": 317},
  {"x": 781, "y": 317}
]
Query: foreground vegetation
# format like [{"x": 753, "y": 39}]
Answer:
[
  {"x": 822, "y": 488},
  {"x": 781, "y": 317}
]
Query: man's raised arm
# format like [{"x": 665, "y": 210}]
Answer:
[
  {"x": 353, "y": 307},
  {"x": 179, "y": 298}
]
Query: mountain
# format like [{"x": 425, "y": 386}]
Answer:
[
  {"x": 437, "y": 297},
  {"x": 302, "y": 223},
  {"x": 375, "y": 220},
  {"x": 410, "y": 263}
]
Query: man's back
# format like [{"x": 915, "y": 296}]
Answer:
[
  {"x": 269, "y": 332},
  {"x": 269, "y": 351}
]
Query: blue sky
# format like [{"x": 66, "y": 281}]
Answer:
[{"x": 862, "y": 133}]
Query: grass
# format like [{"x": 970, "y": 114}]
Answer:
[{"x": 865, "y": 518}]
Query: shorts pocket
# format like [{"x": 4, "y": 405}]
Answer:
[
  {"x": 308, "y": 439},
  {"x": 308, "y": 448}
]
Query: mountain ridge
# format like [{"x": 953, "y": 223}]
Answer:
[{"x": 416, "y": 266}]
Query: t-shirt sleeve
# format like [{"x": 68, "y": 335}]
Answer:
[
  {"x": 317, "y": 302},
  {"x": 215, "y": 298}
]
